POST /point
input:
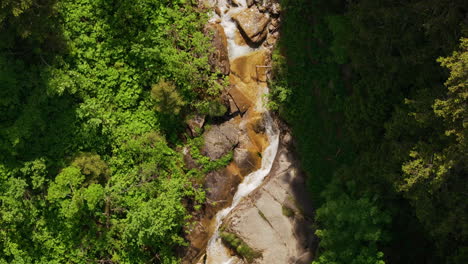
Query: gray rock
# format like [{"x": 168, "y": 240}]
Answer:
[
  {"x": 189, "y": 161},
  {"x": 220, "y": 139},
  {"x": 260, "y": 219}
]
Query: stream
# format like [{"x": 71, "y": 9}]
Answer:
[{"x": 216, "y": 252}]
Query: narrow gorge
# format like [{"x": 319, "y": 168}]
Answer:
[{"x": 256, "y": 210}]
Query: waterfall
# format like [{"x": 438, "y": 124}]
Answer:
[{"x": 216, "y": 252}]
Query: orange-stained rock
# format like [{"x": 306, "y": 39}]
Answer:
[
  {"x": 243, "y": 96},
  {"x": 256, "y": 131},
  {"x": 245, "y": 67},
  {"x": 239, "y": 39},
  {"x": 253, "y": 24}
]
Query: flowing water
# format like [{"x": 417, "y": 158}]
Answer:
[{"x": 216, "y": 252}]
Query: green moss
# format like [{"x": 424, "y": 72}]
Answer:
[
  {"x": 287, "y": 211},
  {"x": 239, "y": 247},
  {"x": 205, "y": 162},
  {"x": 262, "y": 215}
]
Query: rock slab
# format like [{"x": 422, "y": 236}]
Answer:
[{"x": 260, "y": 220}]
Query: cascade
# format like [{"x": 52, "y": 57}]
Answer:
[{"x": 216, "y": 252}]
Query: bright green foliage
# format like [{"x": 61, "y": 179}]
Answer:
[
  {"x": 205, "y": 163},
  {"x": 86, "y": 171}
]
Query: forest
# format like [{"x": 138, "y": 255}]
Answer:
[
  {"x": 383, "y": 86},
  {"x": 92, "y": 100},
  {"x": 94, "y": 95}
]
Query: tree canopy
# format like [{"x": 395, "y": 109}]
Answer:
[{"x": 88, "y": 167}]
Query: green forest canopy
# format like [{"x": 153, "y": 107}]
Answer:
[
  {"x": 88, "y": 167},
  {"x": 383, "y": 87}
]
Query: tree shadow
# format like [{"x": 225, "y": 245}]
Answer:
[{"x": 36, "y": 121}]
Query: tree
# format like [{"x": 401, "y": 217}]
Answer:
[
  {"x": 351, "y": 229},
  {"x": 168, "y": 99},
  {"x": 434, "y": 179}
]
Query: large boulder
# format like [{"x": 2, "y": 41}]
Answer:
[
  {"x": 219, "y": 58},
  {"x": 220, "y": 139},
  {"x": 252, "y": 24}
]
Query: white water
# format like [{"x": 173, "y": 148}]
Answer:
[
  {"x": 230, "y": 27},
  {"x": 216, "y": 252}
]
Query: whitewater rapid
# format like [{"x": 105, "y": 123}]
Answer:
[{"x": 216, "y": 252}]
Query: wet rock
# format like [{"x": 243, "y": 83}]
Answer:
[
  {"x": 219, "y": 58},
  {"x": 220, "y": 139},
  {"x": 247, "y": 79},
  {"x": 245, "y": 67},
  {"x": 253, "y": 24},
  {"x": 198, "y": 238},
  {"x": 247, "y": 160},
  {"x": 239, "y": 39},
  {"x": 258, "y": 124},
  {"x": 219, "y": 184},
  {"x": 257, "y": 140},
  {"x": 241, "y": 97},
  {"x": 195, "y": 124}
]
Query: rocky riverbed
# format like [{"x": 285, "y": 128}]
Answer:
[{"x": 274, "y": 219}]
